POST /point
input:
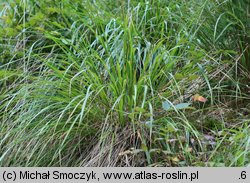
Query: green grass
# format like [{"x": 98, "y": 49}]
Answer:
[{"x": 110, "y": 84}]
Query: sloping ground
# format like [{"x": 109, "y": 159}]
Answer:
[{"x": 114, "y": 83}]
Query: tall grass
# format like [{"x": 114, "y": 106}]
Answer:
[{"x": 82, "y": 84}]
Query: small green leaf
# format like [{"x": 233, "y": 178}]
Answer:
[
  {"x": 182, "y": 105},
  {"x": 166, "y": 105},
  {"x": 131, "y": 116}
]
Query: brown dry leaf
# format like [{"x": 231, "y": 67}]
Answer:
[{"x": 199, "y": 98}]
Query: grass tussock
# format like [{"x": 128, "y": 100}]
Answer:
[{"x": 104, "y": 83}]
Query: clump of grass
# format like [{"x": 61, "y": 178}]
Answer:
[{"x": 85, "y": 85}]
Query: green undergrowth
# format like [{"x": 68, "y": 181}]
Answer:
[{"x": 104, "y": 83}]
